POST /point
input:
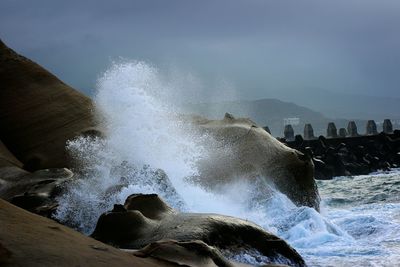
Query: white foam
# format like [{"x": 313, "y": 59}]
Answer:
[{"x": 143, "y": 134}]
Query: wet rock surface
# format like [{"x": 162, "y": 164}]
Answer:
[
  {"x": 242, "y": 149},
  {"x": 190, "y": 253},
  {"x": 39, "y": 114},
  {"x": 35, "y": 191},
  {"x": 145, "y": 219}
]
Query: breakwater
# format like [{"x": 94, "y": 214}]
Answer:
[{"x": 347, "y": 152}]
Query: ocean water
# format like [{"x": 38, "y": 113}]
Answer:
[
  {"x": 367, "y": 209},
  {"x": 359, "y": 223}
]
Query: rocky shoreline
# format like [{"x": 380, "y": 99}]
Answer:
[{"x": 38, "y": 115}]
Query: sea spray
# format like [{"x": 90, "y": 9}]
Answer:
[
  {"x": 147, "y": 148},
  {"x": 144, "y": 139},
  {"x": 143, "y": 135}
]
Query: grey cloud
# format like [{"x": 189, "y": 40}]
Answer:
[{"x": 259, "y": 46}]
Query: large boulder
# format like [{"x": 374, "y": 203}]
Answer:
[
  {"x": 145, "y": 219},
  {"x": 35, "y": 191},
  {"x": 38, "y": 112},
  {"x": 30, "y": 240},
  {"x": 248, "y": 151}
]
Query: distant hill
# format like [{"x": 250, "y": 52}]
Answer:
[
  {"x": 272, "y": 112},
  {"x": 265, "y": 112},
  {"x": 340, "y": 105}
]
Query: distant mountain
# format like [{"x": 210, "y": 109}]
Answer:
[
  {"x": 340, "y": 105},
  {"x": 265, "y": 112},
  {"x": 272, "y": 112}
]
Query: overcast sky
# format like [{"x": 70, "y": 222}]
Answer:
[{"x": 256, "y": 46}]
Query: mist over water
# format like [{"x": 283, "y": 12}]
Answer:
[
  {"x": 143, "y": 135},
  {"x": 146, "y": 140}
]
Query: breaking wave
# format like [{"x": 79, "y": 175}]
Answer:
[{"x": 146, "y": 148}]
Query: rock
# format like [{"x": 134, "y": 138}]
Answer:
[
  {"x": 38, "y": 112},
  {"x": 5, "y": 255},
  {"x": 146, "y": 219},
  {"x": 240, "y": 149},
  {"x": 30, "y": 240},
  {"x": 35, "y": 191},
  {"x": 189, "y": 253}
]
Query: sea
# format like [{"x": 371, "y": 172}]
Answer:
[{"x": 359, "y": 220}]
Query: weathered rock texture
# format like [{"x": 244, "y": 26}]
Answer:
[
  {"x": 30, "y": 240},
  {"x": 242, "y": 150},
  {"x": 38, "y": 115},
  {"x": 38, "y": 112},
  {"x": 189, "y": 253},
  {"x": 35, "y": 191},
  {"x": 145, "y": 219}
]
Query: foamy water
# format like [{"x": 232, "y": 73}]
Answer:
[{"x": 359, "y": 221}]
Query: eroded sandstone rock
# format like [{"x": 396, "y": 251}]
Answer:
[
  {"x": 242, "y": 150},
  {"x": 38, "y": 112},
  {"x": 35, "y": 191},
  {"x": 145, "y": 219},
  {"x": 29, "y": 240},
  {"x": 189, "y": 253}
]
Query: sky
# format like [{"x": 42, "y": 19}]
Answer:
[{"x": 260, "y": 48}]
